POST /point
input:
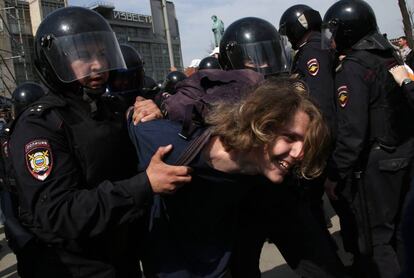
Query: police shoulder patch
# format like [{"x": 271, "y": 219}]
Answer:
[
  {"x": 39, "y": 160},
  {"x": 343, "y": 96},
  {"x": 313, "y": 66},
  {"x": 5, "y": 149}
]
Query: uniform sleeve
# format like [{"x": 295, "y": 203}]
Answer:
[
  {"x": 352, "y": 96},
  {"x": 315, "y": 67},
  {"x": 53, "y": 191}
]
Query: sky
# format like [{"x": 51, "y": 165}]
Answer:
[{"x": 194, "y": 17}]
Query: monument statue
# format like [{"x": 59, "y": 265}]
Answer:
[{"x": 218, "y": 29}]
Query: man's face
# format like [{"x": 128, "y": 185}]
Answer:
[
  {"x": 278, "y": 158},
  {"x": 89, "y": 65},
  {"x": 402, "y": 42}
]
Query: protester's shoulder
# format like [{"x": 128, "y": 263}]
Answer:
[{"x": 157, "y": 127}]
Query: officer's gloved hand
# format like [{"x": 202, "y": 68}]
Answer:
[
  {"x": 166, "y": 178},
  {"x": 145, "y": 110}
]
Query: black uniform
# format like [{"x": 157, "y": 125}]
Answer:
[
  {"x": 373, "y": 152},
  {"x": 78, "y": 191},
  {"x": 315, "y": 66}
]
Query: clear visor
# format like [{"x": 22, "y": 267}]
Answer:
[
  {"x": 328, "y": 36},
  {"x": 266, "y": 57},
  {"x": 82, "y": 55}
]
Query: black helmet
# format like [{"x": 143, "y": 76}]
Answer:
[
  {"x": 130, "y": 80},
  {"x": 252, "y": 43},
  {"x": 347, "y": 22},
  {"x": 74, "y": 35},
  {"x": 209, "y": 63},
  {"x": 172, "y": 79},
  {"x": 297, "y": 21},
  {"x": 150, "y": 87},
  {"x": 25, "y": 94}
]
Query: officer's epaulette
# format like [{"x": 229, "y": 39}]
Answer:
[
  {"x": 39, "y": 109},
  {"x": 44, "y": 104}
]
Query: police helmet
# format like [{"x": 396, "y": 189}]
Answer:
[
  {"x": 297, "y": 21},
  {"x": 255, "y": 44},
  {"x": 172, "y": 79},
  {"x": 69, "y": 36},
  {"x": 130, "y": 80},
  {"x": 347, "y": 22},
  {"x": 25, "y": 94},
  {"x": 209, "y": 63},
  {"x": 150, "y": 87}
]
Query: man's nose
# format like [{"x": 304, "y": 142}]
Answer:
[{"x": 297, "y": 150}]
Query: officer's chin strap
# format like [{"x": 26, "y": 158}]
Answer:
[{"x": 91, "y": 95}]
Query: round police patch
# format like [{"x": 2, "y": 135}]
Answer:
[
  {"x": 343, "y": 96},
  {"x": 39, "y": 160},
  {"x": 313, "y": 66}
]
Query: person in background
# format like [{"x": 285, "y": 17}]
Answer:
[
  {"x": 404, "y": 48},
  {"x": 127, "y": 84},
  {"x": 192, "y": 68}
]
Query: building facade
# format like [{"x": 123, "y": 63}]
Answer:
[
  {"x": 20, "y": 19},
  {"x": 18, "y": 22},
  {"x": 146, "y": 33}
]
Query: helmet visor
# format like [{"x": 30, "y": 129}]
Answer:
[
  {"x": 266, "y": 57},
  {"x": 78, "y": 56},
  {"x": 328, "y": 32}
]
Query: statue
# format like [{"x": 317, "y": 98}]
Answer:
[{"x": 218, "y": 29}]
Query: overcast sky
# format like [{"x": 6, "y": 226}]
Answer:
[{"x": 194, "y": 16}]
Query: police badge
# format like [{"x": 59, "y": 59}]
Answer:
[
  {"x": 343, "y": 96},
  {"x": 39, "y": 160},
  {"x": 313, "y": 66}
]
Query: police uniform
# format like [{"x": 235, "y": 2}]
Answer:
[
  {"x": 373, "y": 152},
  {"x": 315, "y": 66},
  {"x": 79, "y": 193}
]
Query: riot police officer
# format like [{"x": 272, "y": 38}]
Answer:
[
  {"x": 171, "y": 81},
  {"x": 253, "y": 43},
  {"x": 25, "y": 94},
  {"x": 374, "y": 145},
  {"x": 302, "y": 24},
  {"x": 127, "y": 84},
  {"x": 209, "y": 63},
  {"x": 79, "y": 193},
  {"x": 150, "y": 87},
  {"x": 18, "y": 238}
]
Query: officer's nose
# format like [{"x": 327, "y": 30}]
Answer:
[{"x": 97, "y": 63}]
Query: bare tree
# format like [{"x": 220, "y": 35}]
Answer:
[{"x": 406, "y": 22}]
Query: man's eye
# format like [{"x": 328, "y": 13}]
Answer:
[{"x": 288, "y": 138}]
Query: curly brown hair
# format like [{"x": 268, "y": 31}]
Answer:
[{"x": 257, "y": 119}]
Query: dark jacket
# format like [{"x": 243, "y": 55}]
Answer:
[
  {"x": 191, "y": 232},
  {"x": 315, "y": 66}
]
